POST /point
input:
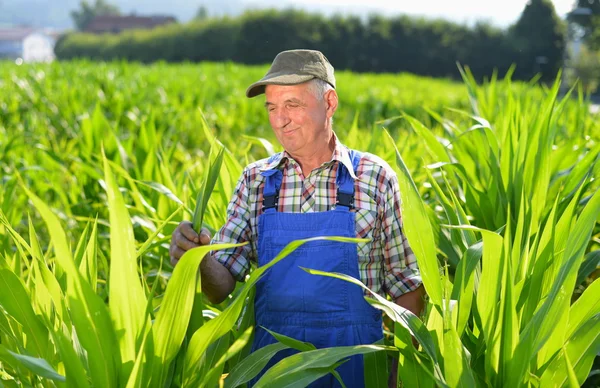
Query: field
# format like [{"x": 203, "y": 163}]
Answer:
[{"x": 501, "y": 203}]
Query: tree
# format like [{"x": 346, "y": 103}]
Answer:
[
  {"x": 87, "y": 12},
  {"x": 586, "y": 15},
  {"x": 539, "y": 36},
  {"x": 201, "y": 14}
]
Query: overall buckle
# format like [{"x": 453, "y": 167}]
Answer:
[
  {"x": 345, "y": 199},
  {"x": 270, "y": 201}
]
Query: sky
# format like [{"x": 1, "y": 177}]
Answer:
[
  {"x": 497, "y": 12},
  {"x": 501, "y": 13}
]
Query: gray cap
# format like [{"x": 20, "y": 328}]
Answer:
[{"x": 294, "y": 67}]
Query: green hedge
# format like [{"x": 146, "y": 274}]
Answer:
[{"x": 378, "y": 44}]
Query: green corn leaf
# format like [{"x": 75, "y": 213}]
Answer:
[
  {"x": 410, "y": 369},
  {"x": 586, "y": 307},
  {"x": 210, "y": 178},
  {"x": 46, "y": 279},
  {"x": 572, "y": 378},
  {"x": 457, "y": 369},
  {"x": 418, "y": 231},
  {"x": 144, "y": 358},
  {"x": 306, "y": 367},
  {"x": 89, "y": 264},
  {"x": 79, "y": 251},
  {"x": 152, "y": 238},
  {"x": 589, "y": 265},
  {"x": 215, "y": 372},
  {"x": 269, "y": 149},
  {"x": 127, "y": 312},
  {"x": 435, "y": 148},
  {"x": 291, "y": 342},
  {"x": 574, "y": 362},
  {"x": 252, "y": 365},
  {"x": 15, "y": 300},
  {"x": 39, "y": 366},
  {"x": 135, "y": 379},
  {"x": 211, "y": 175},
  {"x": 76, "y": 375},
  {"x": 531, "y": 339},
  {"x": 491, "y": 279},
  {"x": 89, "y": 313},
  {"x": 176, "y": 308},
  {"x": 210, "y": 371},
  {"x": 397, "y": 313},
  {"x": 464, "y": 283},
  {"x": 376, "y": 369}
]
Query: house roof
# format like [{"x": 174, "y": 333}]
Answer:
[
  {"x": 15, "y": 33},
  {"x": 112, "y": 23}
]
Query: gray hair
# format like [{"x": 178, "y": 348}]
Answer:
[{"x": 318, "y": 88}]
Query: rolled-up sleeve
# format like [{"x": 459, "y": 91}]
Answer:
[
  {"x": 236, "y": 230},
  {"x": 401, "y": 272}
]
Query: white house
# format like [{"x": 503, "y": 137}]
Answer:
[{"x": 27, "y": 43}]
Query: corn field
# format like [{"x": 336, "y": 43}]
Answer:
[{"x": 100, "y": 162}]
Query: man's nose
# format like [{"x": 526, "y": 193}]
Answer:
[{"x": 281, "y": 118}]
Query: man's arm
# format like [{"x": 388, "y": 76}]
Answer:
[
  {"x": 217, "y": 281},
  {"x": 220, "y": 269},
  {"x": 414, "y": 301}
]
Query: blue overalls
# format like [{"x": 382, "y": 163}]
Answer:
[{"x": 324, "y": 311}]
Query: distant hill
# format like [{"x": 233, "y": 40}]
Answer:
[{"x": 56, "y": 13}]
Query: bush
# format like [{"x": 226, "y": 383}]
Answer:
[{"x": 377, "y": 44}]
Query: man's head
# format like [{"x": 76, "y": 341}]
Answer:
[{"x": 300, "y": 100}]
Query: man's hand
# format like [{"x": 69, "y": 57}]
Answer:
[
  {"x": 217, "y": 281},
  {"x": 185, "y": 238}
]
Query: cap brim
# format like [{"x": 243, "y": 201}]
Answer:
[{"x": 287, "y": 79}]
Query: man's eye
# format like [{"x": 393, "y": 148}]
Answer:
[{"x": 293, "y": 106}]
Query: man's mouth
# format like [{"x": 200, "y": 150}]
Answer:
[{"x": 288, "y": 131}]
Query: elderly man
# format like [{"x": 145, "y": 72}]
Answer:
[{"x": 315, "y": 187}]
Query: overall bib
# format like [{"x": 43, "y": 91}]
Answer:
[{"x": 324, "y": 311}]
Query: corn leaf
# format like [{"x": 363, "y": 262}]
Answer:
[
  {"x": 89, "y": 313},
  {"x": 306, "y": 367},
  {"x": 127, "y": 313},
  {"x": 252, "y": 365},
  {"x": 176, "y": 308},
  {"x": 418, "y": 230},
  {"x": 39, "y": 366}
]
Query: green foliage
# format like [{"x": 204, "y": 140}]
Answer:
[
  {"x": 87, "y": 12},
  {"x": 540, "y": 39},
  {"x": 586, "y": 68},
  {"x": 378, "y": 44},
  {"x": 586, "y": 15}
]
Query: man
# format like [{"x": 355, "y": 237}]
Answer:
[{"x": 315, "y": 187}]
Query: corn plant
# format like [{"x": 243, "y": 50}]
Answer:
[{"x": 499, "y": 184}]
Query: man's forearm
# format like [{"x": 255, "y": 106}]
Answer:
[
  {"x": 217, "y": 282},
  {"x": 413, "y": 301}
]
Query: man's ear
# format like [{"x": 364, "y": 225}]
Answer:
[{"x": 331, "y": 101}]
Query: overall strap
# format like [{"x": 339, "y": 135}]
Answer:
[
  {"x": 345, "y": 183},
  {"x": 274, "y": 177}
]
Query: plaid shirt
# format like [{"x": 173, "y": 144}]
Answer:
[{"x": 386, "y": 263}]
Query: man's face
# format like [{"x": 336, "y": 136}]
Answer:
[{"x": 297, "y": 117}]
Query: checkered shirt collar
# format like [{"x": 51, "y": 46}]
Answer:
[{"x": 340, "y": 154}]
